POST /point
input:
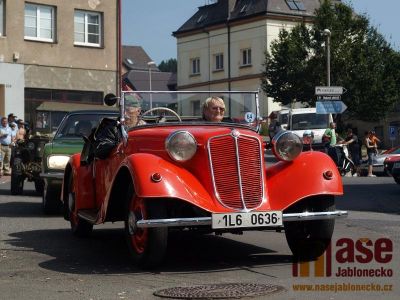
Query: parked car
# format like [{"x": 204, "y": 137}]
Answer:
[
  {"x": 278, "y": 121},
  {"x": 207, "y": 177},
  {"x": 378, "y": 161},
  {"x": 392, "y": 167},
  {"x": 66, "y": 141},
  {"x": 26, "y": 163}
]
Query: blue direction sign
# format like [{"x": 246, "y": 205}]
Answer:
[
  {"x": 330, "y": 107},
  {"x": 392, "y": 133}
]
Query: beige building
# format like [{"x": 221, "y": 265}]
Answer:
[
  {"x": 56, "y": 51},
  {"x": 221, "y": 47}
]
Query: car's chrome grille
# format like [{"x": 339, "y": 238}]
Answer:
[{"x": 236, "y": 163}]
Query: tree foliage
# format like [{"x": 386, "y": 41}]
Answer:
[
  {"x": 362, "y": 61},
  {"x": 168, "y": 66}
]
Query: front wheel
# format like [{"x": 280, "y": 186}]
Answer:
[
  {"x": 147, "y": 246},
  {"x": 39, "y": 186},
  {"x": 309, "y": 239},
  {"x": 17, "y": 184},
  {"x": 51, "y": 203}
]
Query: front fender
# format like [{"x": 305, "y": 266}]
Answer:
[
  {"x": 289, "y": 182},
  {"x": 176, "y": 182}
]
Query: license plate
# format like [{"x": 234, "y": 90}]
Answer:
[
  {"x": 250, "y": 219},
  {"x": 396, "y": 165}
]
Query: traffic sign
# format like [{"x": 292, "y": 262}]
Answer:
[
  {"x": 328, "y": 90},
  {"x": 330, "y": 107},
  {"x": 392, "y": 133},
  {"x": 331, "y": 98}
]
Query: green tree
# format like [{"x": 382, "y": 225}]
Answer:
[
  {"x": 362, "y": 61},
  {"x": 168, "y": 66}
]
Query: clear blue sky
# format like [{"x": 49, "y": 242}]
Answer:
[{"x": 150, "y": 23}]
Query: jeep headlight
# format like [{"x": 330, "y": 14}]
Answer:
[
  {"x": 286, "y": 145},
  {"x": 57, "y": 161},
  {"x": 31, "y": 146},
  {"x": 181, "y": 145}
]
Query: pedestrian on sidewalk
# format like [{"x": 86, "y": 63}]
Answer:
[
  {"x": 21, "y": 133},
  {"x": 371, "y": 144},
  {"x": 5, "y": 140},
  {"x": 351, "y": 141}
]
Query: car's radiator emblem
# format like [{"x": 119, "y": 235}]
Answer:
[{"x": 235, "y": 133}]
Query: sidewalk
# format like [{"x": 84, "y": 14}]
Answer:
[{"x": 5, "y": 179}]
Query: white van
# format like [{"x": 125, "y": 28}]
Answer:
[{"x": 302, "y": 119}]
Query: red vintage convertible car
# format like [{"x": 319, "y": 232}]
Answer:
[{"x": 176, "y": 171}]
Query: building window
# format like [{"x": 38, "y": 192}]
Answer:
[
  {"x": 196, "y": 111},
  {"x": 87, "y": 28},
  {"x": 2, "y": 18},
  {"x": 39, "y": 22},
  {"x": 195, "y": 65},
  {"x": 295, "y": 4},
  {"x": 246, "y": 57},
  {"x": 219, "y": 61}
]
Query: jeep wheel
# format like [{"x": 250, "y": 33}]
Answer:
[
  {"x": 17, "y": 184},
  {"x": 79, "y": 226},
  {"x": 309, "y": 239},
  {"x": 147, "y": 246},
  {"x": 39, "y": 186},
  {"x": 51, "y": 200}
]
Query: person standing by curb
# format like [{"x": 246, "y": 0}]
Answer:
[
  {"x": 5, "y": 140},
  {"x": 371, "y": 145}
]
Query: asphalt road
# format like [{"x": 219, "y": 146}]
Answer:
[{"x": 40, "y": 259}]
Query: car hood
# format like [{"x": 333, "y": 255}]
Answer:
[
  {"x": 64, "y": 146},
  {"x": 380, "y": 158}
]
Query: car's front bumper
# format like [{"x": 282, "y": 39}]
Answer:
[
  {"x": 53, "y": 175},
  {"x": 177, "y": 222}
]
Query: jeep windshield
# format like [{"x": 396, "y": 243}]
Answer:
[
  {"x": 159, "y": 107},
  {"x": 74, "y": 125},
  {"x": 309, "y": 121}
]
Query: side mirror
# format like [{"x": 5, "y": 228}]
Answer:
[{"x": 110, "y": 99}]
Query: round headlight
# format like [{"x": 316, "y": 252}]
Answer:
[
  {"x": 31, "y": 146},
  {"x": 57, "y": 162},
  {"x": 181, "y": 145},
  {"x": 286, "y": 145}
]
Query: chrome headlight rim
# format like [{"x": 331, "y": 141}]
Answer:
[
  {"x": 190, "y": 148},
  {"x": 31, "y": 146},
  {"x": 282, "y": 154},
  {"x": 57, "y": 161}
]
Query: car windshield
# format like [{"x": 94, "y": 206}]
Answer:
[
  {"x": 309, "y": 121},
  {"x": 240, "y": 107},
  {"x": 76, "y": 125}
]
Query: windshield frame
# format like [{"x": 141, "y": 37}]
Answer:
[{"x": 196, "y": 119}]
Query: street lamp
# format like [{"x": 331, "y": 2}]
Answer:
[
  {"x": 150, "y": 64},
  {"x": 327, "y": 34}
]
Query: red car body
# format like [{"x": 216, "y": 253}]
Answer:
[
  {"x": 392, "y": 167},
  {"x": 140, "y": 183}
]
